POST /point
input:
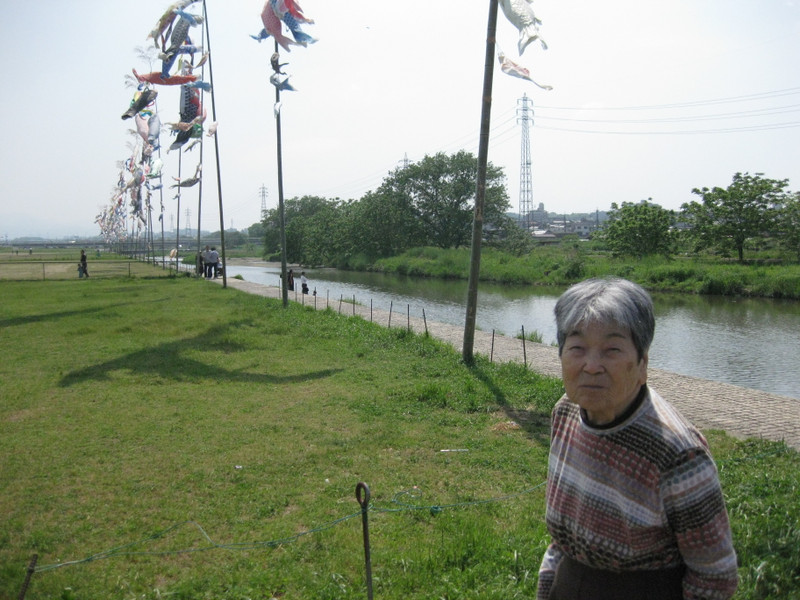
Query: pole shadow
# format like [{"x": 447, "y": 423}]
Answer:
[{"x": 168, "y": 361}]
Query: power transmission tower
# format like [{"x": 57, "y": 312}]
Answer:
[
  {"x": 405, "y": 162},
  {"x": 524, "y": 118},
  {"x": 263, "y": 192},
  {"x": 188, "y": 221}
]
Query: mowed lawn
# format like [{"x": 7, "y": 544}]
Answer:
[{"x": 171, "y": 438}]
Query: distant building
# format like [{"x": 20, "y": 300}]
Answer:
[
  {"x": 544, "y": 236},
  {"x": 558, "y": 225},
  {"x": 540, "y": 216}
]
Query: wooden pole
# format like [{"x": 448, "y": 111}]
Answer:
[
  {"x": 480, "y": 192},
  {"x": 216, "y": 151},
  {"x": 281, "y": 207}
]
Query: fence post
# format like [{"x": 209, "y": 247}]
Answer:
[{"x": 524, "y": 352}]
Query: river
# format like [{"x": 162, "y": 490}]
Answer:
[{"x": 749, "y": 342}]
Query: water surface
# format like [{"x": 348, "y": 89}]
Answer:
[{"x": 750, "y": 342}]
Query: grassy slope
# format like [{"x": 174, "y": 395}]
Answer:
[
  {"x": 131, "y": 408},
  {"x": 566, "y": 264}
]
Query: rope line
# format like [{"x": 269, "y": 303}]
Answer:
[
  {"x": 212, "y": 545},
  {"x": 400, "y": 505}
]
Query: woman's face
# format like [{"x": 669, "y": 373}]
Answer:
[{"x": 601, "y": 369}]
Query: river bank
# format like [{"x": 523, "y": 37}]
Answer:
[
  {"x": 561, "y": 266},
  {"x": 739, "y": 411}
]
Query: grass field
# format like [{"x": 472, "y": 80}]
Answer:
[
  {"x": 48, "y": 264},
  {"x": 171, "y": 438}
]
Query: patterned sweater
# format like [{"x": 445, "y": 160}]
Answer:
[{"x": 642, "y": 494}]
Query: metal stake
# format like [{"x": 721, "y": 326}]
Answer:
[
  {"x": 31, "y": 569},
  {"x": 362, "y": 487}
]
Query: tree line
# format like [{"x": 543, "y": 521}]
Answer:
[
  {"x": 430, "y": 203},
  {"x": 752, "y": 213}
]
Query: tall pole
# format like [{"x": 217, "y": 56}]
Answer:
[
  {"x": 178, "y": 227},
  {"x": 480, "y": 192},
  {"x": 216, "y": 151},
  {"x": 281, "y": 211},
  {"x": 198, "y": 257}
]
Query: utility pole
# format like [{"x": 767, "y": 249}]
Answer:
[
  {"x": 480, "y": 192},
  {"x": 525, "y": 185}
]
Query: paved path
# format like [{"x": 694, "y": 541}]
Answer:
[{"x": 739, "y": 411}]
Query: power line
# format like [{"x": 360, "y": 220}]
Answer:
[
  {"x": 504, "y": 125},
  {"x": 714, "y": 101},
  {"x": 754, "y": 128}
]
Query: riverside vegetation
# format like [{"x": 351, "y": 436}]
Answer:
[
  {"x": 171, "y": 438},
  {"x": 570, "y": 262}
]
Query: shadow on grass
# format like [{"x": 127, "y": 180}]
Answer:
[
  {"x": 66, "y": 314},
  {"x": 534, "y": 422},
  {"x": 168, "y": 361}
]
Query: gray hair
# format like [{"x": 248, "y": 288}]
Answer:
[{"x": 608, "y": 300}]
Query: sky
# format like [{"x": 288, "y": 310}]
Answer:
[{"x": 649, "y": 100}]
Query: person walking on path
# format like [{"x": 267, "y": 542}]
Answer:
[
  {"x": 290, "y": 280},
  {"x": 83, "y": 271},
  {"x": 634, "y": 505},
  {"x": 303, "y": 282},
  {"x": 207, "y": 262},
  {"x": 214, "y": 258}
]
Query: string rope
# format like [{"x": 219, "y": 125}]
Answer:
[
  {"x": 212, "y": 545},
  {"x": 400, "y": 505}
]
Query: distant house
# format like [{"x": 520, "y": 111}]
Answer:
[{"x": 544, "y": 236}]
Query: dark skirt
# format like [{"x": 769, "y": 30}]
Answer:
[{"x": 576, "y": 581}]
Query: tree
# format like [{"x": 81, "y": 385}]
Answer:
[
  {"x": 234, "y": 238},
  {"x": 441, "y": 190},
  {"x": 298, "y": 214},
  {"x": 385, "y": 224},
  {"x": 256, "y": 230},
  {"x": 727, "y": 218},
  {"x": 641, "y": 229},
  {"x": 305, "y": 228},
  {"x": 789, "y": 224}
]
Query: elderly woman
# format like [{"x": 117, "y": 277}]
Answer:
[{"x": 634, "y": 505}]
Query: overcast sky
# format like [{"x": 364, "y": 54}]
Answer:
[{"x": 650, "y": 99}]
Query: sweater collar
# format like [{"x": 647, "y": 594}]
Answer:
[{"x": 634, "y": 406}]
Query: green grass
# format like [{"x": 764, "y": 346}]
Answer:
[
  {"x": 198, "y": 442},
  {"x": 564, "y": 264}
]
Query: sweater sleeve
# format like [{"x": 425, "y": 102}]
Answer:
[
  {"x": 696, "y": 511},
  {"x": 547, "y": 571}
]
